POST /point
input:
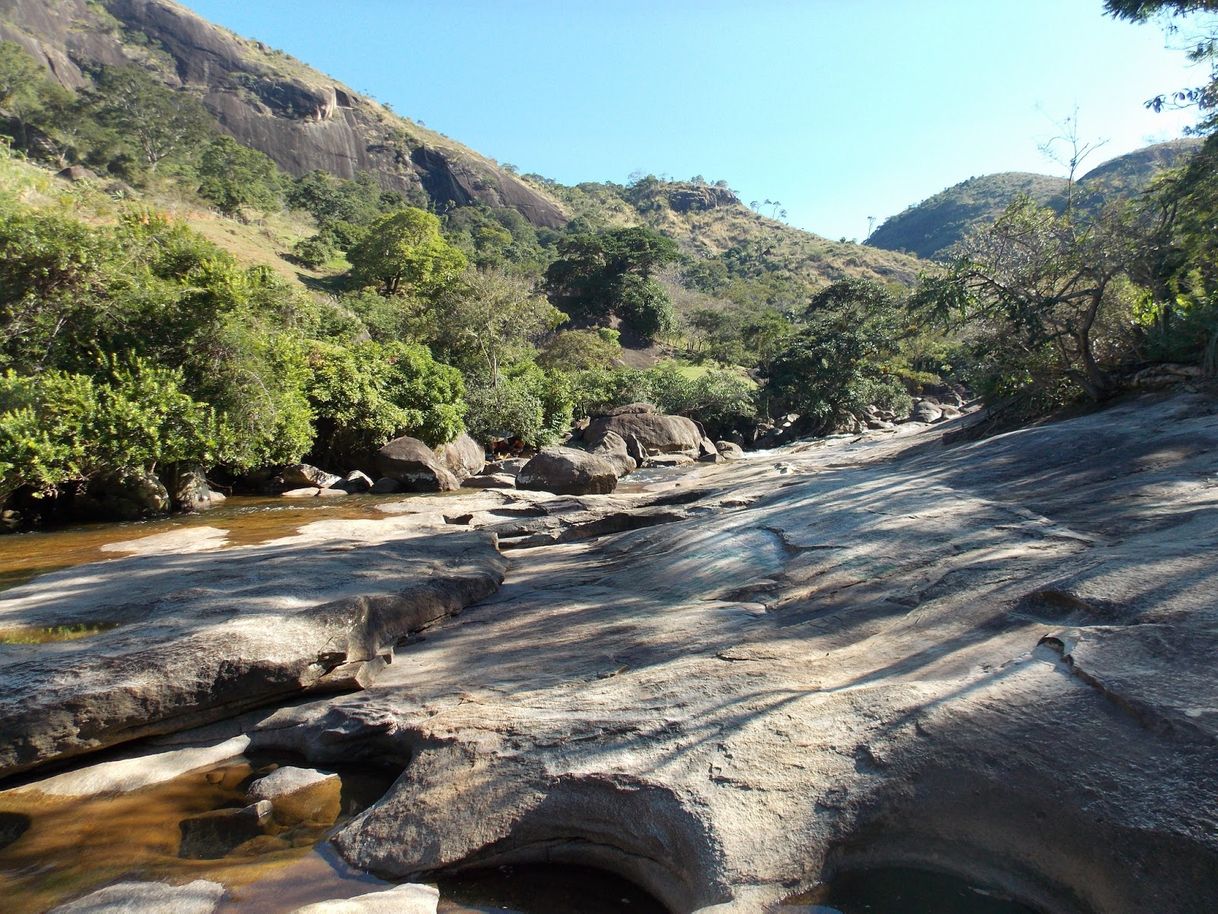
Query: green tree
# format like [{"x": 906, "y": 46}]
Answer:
[
  {"x": 611, "y": 274},
  {"x": 404, "y": 254},
  {"x": 1043, "y": 278},
  {"x": 232, "y": 176},
  {"x": 159, "y": 122},
  {"x": 841, "y": 359}
]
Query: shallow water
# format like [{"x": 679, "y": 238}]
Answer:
[
  {"x": 247, "y": 520},
  {"x": 53, "y": 849},
  {"x": 905, "y": 890}
]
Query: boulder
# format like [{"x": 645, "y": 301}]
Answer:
[
  {"x": 124, "y": 495},
  {"x": 463, "y": 456},
  {"x": 299, "y": 795},
  {"x": 566, "y": 471},
  {"x": 656, "y": 433},
  {"x": 612, "y": 447},
  {"x": 633, "y": 409},
  {"x": 355, "y": 482},
  {"x": 302, "y": 476},
  {"x": 211, "y": 835},
  {"x": 926, "y": 411},
  {"x": 511, "y": 465},
  {"x": 415, "y": 466},
  {"x": 729, "y": 450},
  {"x": 199, "y": 897},
  {"x": 190, "y": 491},
  {"x": 490, "y": 481},
  {"x": 385, "y": 486},
  {"x": 76, "y": 173},
  {"x": 411, "y": 898}
]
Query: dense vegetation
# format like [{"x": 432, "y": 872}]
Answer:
[{"x": 130, "y": 343}]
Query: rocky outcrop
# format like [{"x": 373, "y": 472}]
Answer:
[
  {"x": 302, "y": 119},
  {"x": 567, "y": 471},
  {"x": 414, "y": 466},
  {"x": 196, "y": 636},
  {"x": 684, "y": 198},
  {"x": 123, "y": 495},
  {"x": 988, "y": 660}
]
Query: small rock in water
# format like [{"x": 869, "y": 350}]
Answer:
[
  {"x": 299, "y": 795},
  {"x": 213, "y": 834}
]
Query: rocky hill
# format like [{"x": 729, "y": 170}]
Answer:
[
  {"x": 303, "y": 119},
  {"x": 928, "y": 229}
]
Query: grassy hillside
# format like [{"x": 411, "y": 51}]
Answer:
[{"x": 930, "y": 228}]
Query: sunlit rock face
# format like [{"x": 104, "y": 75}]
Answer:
[{"x": 993, "y": 659}]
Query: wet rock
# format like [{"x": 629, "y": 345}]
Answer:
[
  {"x": 415, "y": 466},
  {"x": 410, "y": 898},
  {"x": 463, "y": 456},
  {"x": 566, "y": 471},
  {"x": 303, "y": 476},
  {"x": 314, "y": 492},
  {"x": 189, "y": 490},
  {"x": 198, "y": 897},
  {"x": 299, "y": 795},
  {"x": 211, "y": 835},
  {"x": 385, "y": 486}
]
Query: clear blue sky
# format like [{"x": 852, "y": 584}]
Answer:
[{"x": 840, "y": 109}]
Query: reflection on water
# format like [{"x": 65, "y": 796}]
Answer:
[
  {"x": 64, "y": 847},
  {"x": 30, "y": 634},
  {"x": 247, "y": 521},
  {"x": 904, "y": 890},
  {"x": 543, "y": 889}
]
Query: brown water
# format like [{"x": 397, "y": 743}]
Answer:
[
  {"x": 247, "y": 521},
  {"x": 54, "y": 849},
  {"x": 70, "y": 846}
]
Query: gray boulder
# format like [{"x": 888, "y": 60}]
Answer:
[
  {"x": 385, "y": 486},
  {"x": 612, "y": 447},
  {"x": 198, "y": 897},
  {"x": 124, "y": 495},
  {"x": 302, "y": 476},
  {"x": 463, "y": 456},
  {"x": 415, "y": 466},
  {"x": 926, "y": 411},
  {"x": 656, "y": 433},
  {"x": 729, "y": 450},
  {"x": 490, "y": 481},
  {"x": 566, "y": 471},
  {"x": 190, "y": 491},
  {"x": 510, "y": 465},
  {"x": 355, "y": 482}
]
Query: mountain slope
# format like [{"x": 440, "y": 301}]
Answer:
[
  {"x": 301, "y": 118},
  {"x": 928, "y": 229}
]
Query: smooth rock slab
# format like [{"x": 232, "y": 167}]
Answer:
[
  {"x": 198, "y": 897},
  {"x": 206, "y": 634},
  {"x": 989, "y": 660}
]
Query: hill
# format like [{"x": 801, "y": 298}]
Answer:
[
  {"x": 307, "y": 121},
  {"x": 928, "y": 229}
]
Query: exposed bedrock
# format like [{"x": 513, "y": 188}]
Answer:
[
  {"x": 993, "y": 659},
  {"x": 184, "y": 637}
]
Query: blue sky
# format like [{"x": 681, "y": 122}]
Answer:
[{"x": 840, "y": 109}]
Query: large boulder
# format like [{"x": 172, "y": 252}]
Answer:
[
  {"x": 658, "y": 434},
  {"x": 566, "y": 471},
  {"x": 612, "y": 447},
  {"x": 415, "y": 466},
  {"x": 463, "y": 456},
  {"x": 303, "y": 476},
  {"x": 124, "y": 495},
  {"x": 189, "y": 490}
]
